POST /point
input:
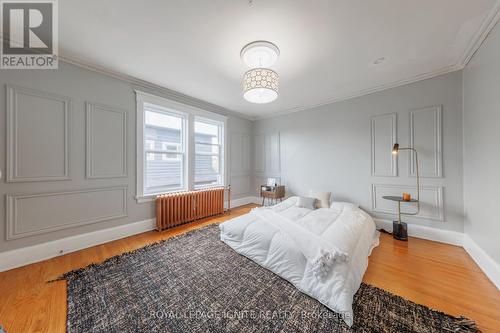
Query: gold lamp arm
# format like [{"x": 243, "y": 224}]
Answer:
[{"x": 418, "y": 180}]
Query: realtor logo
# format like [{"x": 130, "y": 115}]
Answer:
[{"x": 30, "y": 39}]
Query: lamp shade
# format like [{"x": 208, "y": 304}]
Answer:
[
  {"x": 395, "y": 149},
  {"x": 260, "y": 85}
]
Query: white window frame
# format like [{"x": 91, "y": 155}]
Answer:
[
  {"x": 221, "y": 145},
  {"x": 182, "y": 152},
  {"x": 190, "y": 112}
]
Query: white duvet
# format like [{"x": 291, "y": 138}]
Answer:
[{"x": 323, "y": 252}]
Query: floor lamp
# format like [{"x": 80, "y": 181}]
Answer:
[{"x": 399, "y": 228}]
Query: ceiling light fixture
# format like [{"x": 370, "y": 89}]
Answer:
[
  {"x": 260, "y": 54},
  {"x": 260, "y": 84}
]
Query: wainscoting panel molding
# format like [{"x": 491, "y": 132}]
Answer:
[
  {"x": 384, "y": 135},
  {"x": 35, "y": 214},
  {"x": 38, "y": 135},
  {"x": 106, "y": 141},
  {"x": 239, "y": 155},
  {"x": 260, "y": 153},
  {"x": 240, "y": 184},
  {"x": 267, "y": 158},
  {"x": 239, "y": 152},
  {"x": 273, "y": 160},
  {"x": 426, "y": 137},
  {"x": 431, "y": 201}
]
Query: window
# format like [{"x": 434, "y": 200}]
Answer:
[
  {"x": 179, "y": 147},
  {"x": 208, "y": 144},
  {"x": 164, "y": 150}
]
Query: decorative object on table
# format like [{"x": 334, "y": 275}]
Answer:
[
  {"x": 399, "y": 228},
  {"x": 272, "y": 182},
  {"x": 271, "y": 194}
]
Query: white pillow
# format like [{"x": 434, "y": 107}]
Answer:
[
  {"x": 305, "y": 202},
  {"x": 323, "y": 198}
]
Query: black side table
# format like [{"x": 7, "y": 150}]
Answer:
[{"x": 399, "y": 228}]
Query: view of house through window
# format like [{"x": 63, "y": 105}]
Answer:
[
  {"x": 207, "y": 134},
  {"x": 180, "y": 149},
  {"x": 164, "y": 150}
]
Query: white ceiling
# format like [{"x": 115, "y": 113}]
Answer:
[{"x": 328, "y": 47}]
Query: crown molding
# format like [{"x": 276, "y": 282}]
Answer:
[
  {"x": 152, "y": 87},
  {"x": 367, "y": 91},
  {"x": 489, "y": 22}
]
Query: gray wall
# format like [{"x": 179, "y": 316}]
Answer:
[
  {"x": 345, "y": 148},
  {"x": 481, "y": 139},
  {"x": 51, "y": 155}
]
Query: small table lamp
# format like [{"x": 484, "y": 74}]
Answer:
[{"x": 400, "y": 229}]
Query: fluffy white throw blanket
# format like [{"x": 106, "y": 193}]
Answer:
[{"x": 319, "y": 253}]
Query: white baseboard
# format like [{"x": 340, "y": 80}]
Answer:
[
  {"x": 28, "y": 255},
  {"x": 483, "y": 260},
  {"x": 31, "y": 254},
  {"x": 244, "y": 201},
  {"x": 434, "y": 234}
]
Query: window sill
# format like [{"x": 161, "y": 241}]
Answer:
[
  {"x": 197, "y": 188},
  {"x": 145, "y": 198},
  {"x": 152, "y": 197}
]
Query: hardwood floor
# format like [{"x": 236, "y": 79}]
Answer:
[{"x": 440, "y": 276}]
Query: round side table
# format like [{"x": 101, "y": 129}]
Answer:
[{"x": 399, "y": 228}]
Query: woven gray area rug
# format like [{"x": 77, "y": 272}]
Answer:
[{"x": 196, "y": 283}]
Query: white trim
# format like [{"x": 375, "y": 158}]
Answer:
[
  {"x": 488, "y": 24},
  {"x": 394, "y": 137},
  {"x": 438, "y": 203},
  {"x": 483, "y": 260},
  {"x": 167, "y": 93},
  {"x": 429, "y": 233},
  {"x": 477, "y": 40},
  {"x": 12, "y": 96},
  {"x": 489, "y": 267},
  {"x": 223, "y": 144},
  {"x": 243, "y": 201},
  {"x": 31, "y": 254},
  {"x": 438, "y": 147},
  {"x": 189, "y": 113},
  {"x": 174, "y": 106},
  {"x": 475, "y": 43},
  {"x": 363, "y": 92},
  {"x": 12, "y": 211},
  {"x": 90, "y": 109}
]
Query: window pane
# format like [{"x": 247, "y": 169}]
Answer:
[
  {"x": 207, "y": 149},
  {"x": 207, "y": 169},
  {"x": 163, "y": 172},
  {"x": 207, "y": 180},
  {"x": 163, "y": 132},
  {"x": 206, "y": 164},
  {"x": 206, "y": 132}
]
